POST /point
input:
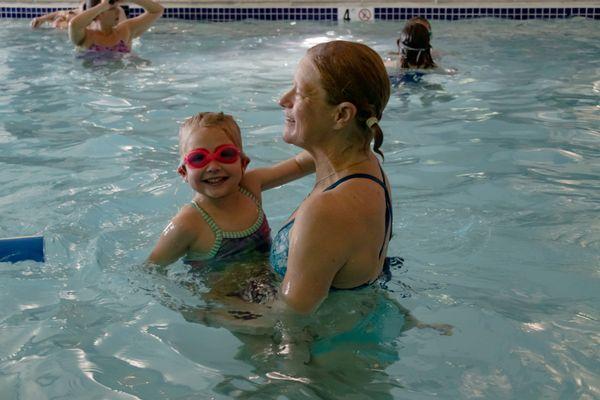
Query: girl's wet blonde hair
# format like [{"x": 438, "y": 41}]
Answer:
[{"x": 205, "y": 119}]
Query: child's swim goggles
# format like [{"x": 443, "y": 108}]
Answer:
[{"x": 201, "y": 157}]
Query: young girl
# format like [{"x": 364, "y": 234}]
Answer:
[{"x": 225, "y": 218}]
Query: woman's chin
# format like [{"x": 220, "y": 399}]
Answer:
[{"x": 289, "y": 136}]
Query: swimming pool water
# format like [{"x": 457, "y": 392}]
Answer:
[{"x": 495, "y": 174}]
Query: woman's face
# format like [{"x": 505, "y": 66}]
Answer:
[{"x": 308, "y": 115}]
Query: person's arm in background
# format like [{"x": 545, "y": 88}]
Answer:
[
  {"x": 122, "y": 15},
  {"x": 79, "y": 24},
  {"x": 37, "y": 21},
  {"x": 141, "y": 23}
]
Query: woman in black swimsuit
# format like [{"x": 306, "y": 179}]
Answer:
[{"x": 338, "y": 236}]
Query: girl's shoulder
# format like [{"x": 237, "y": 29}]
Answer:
[
  {"x": 188, "y": 215},
  {"x": 251, "y": 184},
  {"x": 191, "y": 222}
]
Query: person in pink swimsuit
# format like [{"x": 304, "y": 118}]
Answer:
[
  {"x": 111, "y": 35},
  {"x": 60, "y": 19}
]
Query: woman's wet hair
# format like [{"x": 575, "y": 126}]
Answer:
[
  {"x": 353, "y": 72},
  {"x": 414, "y": 46}
]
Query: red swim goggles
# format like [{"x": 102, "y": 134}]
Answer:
[{"x": 201, "y": 157}]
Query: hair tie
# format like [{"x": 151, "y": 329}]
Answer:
[{"x": 372, "y": 121}]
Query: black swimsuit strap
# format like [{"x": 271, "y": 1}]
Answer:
[
  {"x": 389, "y": 214},
  {"x": 353, "y": 176},
  {"x": 388, "y": 202}
]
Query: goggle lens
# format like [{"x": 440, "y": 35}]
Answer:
[
  {"x": 196, "y": 160},
  {"x": 227, "y": 155}
]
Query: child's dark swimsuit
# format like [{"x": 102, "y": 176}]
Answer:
[{"x": 233, "y": 244}]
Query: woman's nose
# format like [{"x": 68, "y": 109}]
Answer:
[{"x": 286, "y": 100}]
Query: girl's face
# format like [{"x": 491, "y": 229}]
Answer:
[
  {"x": 308, "y": 115},
  {"x": 216, "y": 179}
]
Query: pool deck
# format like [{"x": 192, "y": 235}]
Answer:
[
  {"x": 334, "y": 10},
  {"x": 334, "y": 3}
]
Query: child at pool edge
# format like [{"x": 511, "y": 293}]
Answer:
[{"x": 225, "y": 218}]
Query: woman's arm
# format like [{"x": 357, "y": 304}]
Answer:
[
  {"x": 141, "y": 23},
  {"x": 79, "y": 24},
  {"x": 319, "y": 248},
  {"x": 265, "y": 178}
]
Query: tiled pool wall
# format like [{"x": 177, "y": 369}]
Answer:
[{"x": 338, "y": 12}]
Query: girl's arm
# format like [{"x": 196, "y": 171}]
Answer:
[
  {"x": 78, "y": 25},
  {"x": 174, "y": 241},
  {"x": 141, "y": 23},
  {"x": 300, "y": 165}
]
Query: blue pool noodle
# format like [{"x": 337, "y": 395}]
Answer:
[{"x": 22, "y": 249}]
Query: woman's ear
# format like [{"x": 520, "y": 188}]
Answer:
[{"x": 344, "y": 113}]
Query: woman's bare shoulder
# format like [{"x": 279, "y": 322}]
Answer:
[{"x": 349, "y": 204}]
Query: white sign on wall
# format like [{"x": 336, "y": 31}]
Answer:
[{"x": 356, "y": 14}]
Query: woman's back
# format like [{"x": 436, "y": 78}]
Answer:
[
  {"x": 364, "y": 196},
  {"x": 356, "y": 210}
]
